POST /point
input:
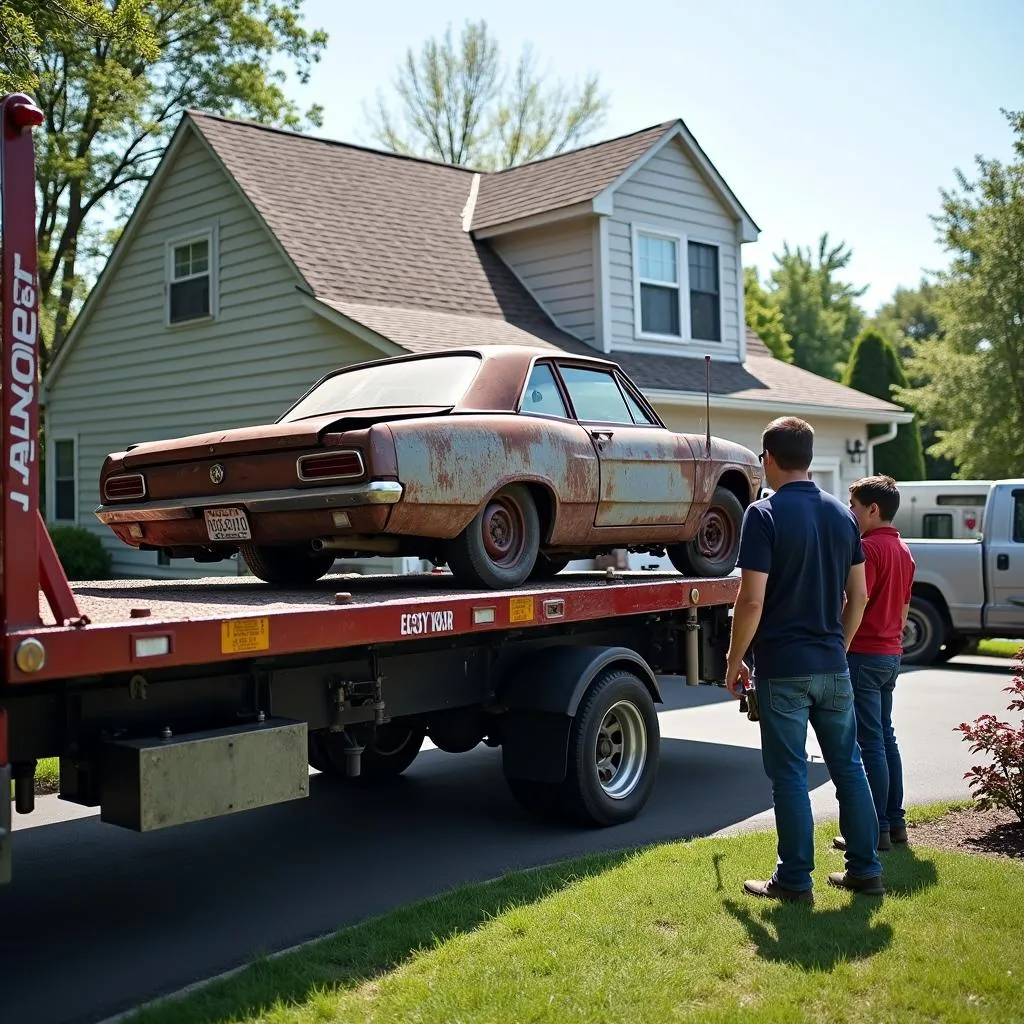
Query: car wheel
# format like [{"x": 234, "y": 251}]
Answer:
[
  {"x": 499, "y": 547},
  {"x": 923, "y": 634},
  {"x": 547, "y": 568},
  {"x": 716, "y": 545},
  {"x": 956, "y": 644},
  {"x": 288, "y": 566}
]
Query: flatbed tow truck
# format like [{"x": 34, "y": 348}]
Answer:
[{"x": 171, "y": 702}]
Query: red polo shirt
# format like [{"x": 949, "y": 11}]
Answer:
[{"x": 889, "y": 567}]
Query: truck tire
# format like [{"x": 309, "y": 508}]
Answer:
[
  {"x": 393, "y": 748},
  {"x": 499, "y": 547},
  {"x": 288, "y": 565},
  {"x": 955, "y": 644},
  {"x": 612, "y": 757},
  {"x": 716, "y": 547},
  {"x": 925, "y": 633},
  {"x": 548, "y": 567}
]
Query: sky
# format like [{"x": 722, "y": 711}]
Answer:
[{"x": 822, "y": 117}]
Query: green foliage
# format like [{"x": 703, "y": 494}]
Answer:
[
  {"x": 874, "y": 369},
  {"x": 113, "y": 99},
  {"x": 457, "y": 104},
  {"x": 764, "y": 317},
  {"x": 974, "y": 373},
  {"x": 81, "y": 553}
]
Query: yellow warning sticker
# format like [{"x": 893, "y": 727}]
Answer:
[
  {"x": 238, "y": 636},
  {"x": 520, "y": 609}
]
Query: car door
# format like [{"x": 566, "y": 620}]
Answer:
[
  {"x": 642, "y": 464},
  {"x": 1004, "y": 556}
]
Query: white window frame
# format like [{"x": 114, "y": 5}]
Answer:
[
  {"x": 51, "y": 479},
  {"x": 661, "y": 342},
  {"x": 211, "y": 236},
  {"x": 831, "y": 464}
]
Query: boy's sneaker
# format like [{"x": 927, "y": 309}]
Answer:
[
  {"x": 885, "y": 840},
  {"x": 898, "y": 835},
  {"x": 866, "y": 886}
]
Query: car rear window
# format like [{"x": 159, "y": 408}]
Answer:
[{"x": 441, "y": 381}]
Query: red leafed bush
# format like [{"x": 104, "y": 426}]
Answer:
[{"x": 1001, "y": 783}]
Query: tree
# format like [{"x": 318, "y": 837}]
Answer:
[
  {"x": 764, "y": 317},
  {"x": 874, "y": 369},
  {"x": 458, "y": 105},
  {"x": 975, "y": 372},
  {"x": 109, "y": 111},
  {"x": 819, "y": 312}
]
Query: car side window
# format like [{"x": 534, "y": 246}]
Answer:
[
  {"x": 1018, "y": 517},
  {"x": 595, "y": 395},
  {"x": 542, "y": 394},
  {"x": 639, "y": 416}
]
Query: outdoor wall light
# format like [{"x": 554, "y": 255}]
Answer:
[{"x": 855, "y": 450}]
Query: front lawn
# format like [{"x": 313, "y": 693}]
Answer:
[{"x": 661, "y": 935}]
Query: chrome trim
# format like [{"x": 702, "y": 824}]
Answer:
[
  {"x": 119, "y": 476},
  {"x": 337, "y": 451},
  {"x": 376, "y": 492}
]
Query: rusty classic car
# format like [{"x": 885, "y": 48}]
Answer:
[{"x": 502, "y": 462}]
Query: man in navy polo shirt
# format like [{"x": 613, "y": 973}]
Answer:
[{"x": 801, "y": 599}]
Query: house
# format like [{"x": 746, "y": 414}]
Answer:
[{"x": 257, "y": 259}]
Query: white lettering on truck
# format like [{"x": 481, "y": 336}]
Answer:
[
  {"x": 24, "y": 324},
  {"x": 423, "y": 623}
]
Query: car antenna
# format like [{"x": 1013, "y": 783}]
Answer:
[{"x": 707, "y": 403}]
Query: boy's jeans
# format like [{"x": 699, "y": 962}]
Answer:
[
  {"x": 826, "y": 701},
  {"x": 874, "y": 679}
]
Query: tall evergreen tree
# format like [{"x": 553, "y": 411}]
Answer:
[{"x": 874, "y": 369}]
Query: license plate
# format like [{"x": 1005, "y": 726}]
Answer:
[{"x": 227, "y": 524}]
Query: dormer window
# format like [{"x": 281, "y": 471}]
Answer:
[{"x": 191, "y": 278}]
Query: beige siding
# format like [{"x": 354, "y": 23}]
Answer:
[
  {"x": 668, "y": 193},
  {"x": 556, "y": 264},
  {"x": 130, "y": 378}
]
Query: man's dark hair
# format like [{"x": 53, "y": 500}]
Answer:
[
  {"x": 790, "y": 441},
  {"x": 878, "y": 490}
]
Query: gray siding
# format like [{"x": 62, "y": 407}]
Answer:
[
  {"x": 556, "y": 264},
  {"x": 129, "y": 378},
  {"x": 668, "y": 192}
]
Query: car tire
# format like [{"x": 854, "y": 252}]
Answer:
[
  {"x": 286, "y": 566},
  {"x": 547, "y": 567},
  {"x": 716, "y": 545},
  {"x": 956, "y": 644},
  {"x": 499, "y": 547},
  {"x": 925, "y": 633},
  {"x": 393, "y": 748}
]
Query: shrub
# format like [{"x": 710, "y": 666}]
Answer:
[
  {"x": 81, "y": 553},
  {"x": 1000, "y": 784}
]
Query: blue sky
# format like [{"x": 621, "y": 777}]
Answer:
[{"x": 822, "y": 117}]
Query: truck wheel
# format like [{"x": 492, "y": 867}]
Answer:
[
  {"x": 924, "y": 633},
  {"x": 499, "y": 547},
  {"x": 548, "y": 567},
  {"x": 393, "y": 748},
  {"x": 716, "y": 546},
  {"x": 613, "y": 751},
  {"x": 286, "y": 566},
  {"x": 955, "y": 644}
]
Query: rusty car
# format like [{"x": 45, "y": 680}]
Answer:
[{"x": 502, "y": 462}]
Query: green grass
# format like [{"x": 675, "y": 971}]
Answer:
[
  {"x": 660, "y": 935},
  {"x": 47, "y": 775},
  {"x": 1000, "y": 648}
]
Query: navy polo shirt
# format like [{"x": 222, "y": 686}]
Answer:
[{"x": 805, "y": 540}]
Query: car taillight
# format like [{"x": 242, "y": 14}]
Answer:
[
  {"x": 340, "y": 465},
  {"x": 124, "y": 486}
]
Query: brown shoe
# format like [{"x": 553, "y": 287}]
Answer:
[
  {"x": 772, "y": 891},
  {"x": 866, "y": 886},
  {"x": 885, "y": 841}
]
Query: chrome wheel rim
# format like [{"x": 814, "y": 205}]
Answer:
[{"x": 620, "y": 752}]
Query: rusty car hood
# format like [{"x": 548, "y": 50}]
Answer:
[{"x": 267, "y": 437}]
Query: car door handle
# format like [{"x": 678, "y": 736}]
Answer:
[
  {"x": 1002, "y": 561},
  {"x": 602, "y": 435}
]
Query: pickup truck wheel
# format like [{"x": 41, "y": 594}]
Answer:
[
  {"x": 716, "y": 545},
  {"x": 393, "y": 748},
  {"x": 286, "y": 566},
  {"x": 955, "y": 644},
  {"x": 499, "y": 547},
  {"x": 547, "y": 568},
  {"x": 923, "y": 634}
]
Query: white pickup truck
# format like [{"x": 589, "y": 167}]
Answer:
[{"x": 972, "y": 588}]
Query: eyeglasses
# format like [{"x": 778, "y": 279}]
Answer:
[{"x": 760, "y": 457}]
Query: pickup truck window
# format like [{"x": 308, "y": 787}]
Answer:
[
  {"x": 1018, "y": 517},
  {"x": 937, "y": 526}
]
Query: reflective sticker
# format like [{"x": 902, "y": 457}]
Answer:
[
  {"x": 520, "y": 609},
  {"x": 237, "y": 636}
]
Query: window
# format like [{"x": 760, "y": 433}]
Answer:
[
  {"x": 658, "y": 271},
  {"x": 595, "y": 396},
  {"x": 639, "y": 416},
  {"x": 961, "y": 499},
  {"x": 705, "y": 306},
  {"x": 1018, "y": 517},
  {"x": 65, "y": 502},
  {"x": 542, "y": 394},
  {"x": 937, "y": 526},
  {"x": 190, "y": 278}
]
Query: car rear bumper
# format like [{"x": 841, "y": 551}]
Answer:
[{"x": 376, "y": 492}]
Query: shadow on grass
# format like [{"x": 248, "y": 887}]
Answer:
[
  {"x": 817, "y": 939},
  {"x": 364, "y": 952}
]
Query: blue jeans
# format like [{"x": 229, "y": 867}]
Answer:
[
  {"x": 825, "y": 700},
  {"x": 874, "y": 679}
]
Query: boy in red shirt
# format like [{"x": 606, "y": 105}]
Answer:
[{"x": 875, "y": 652}]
